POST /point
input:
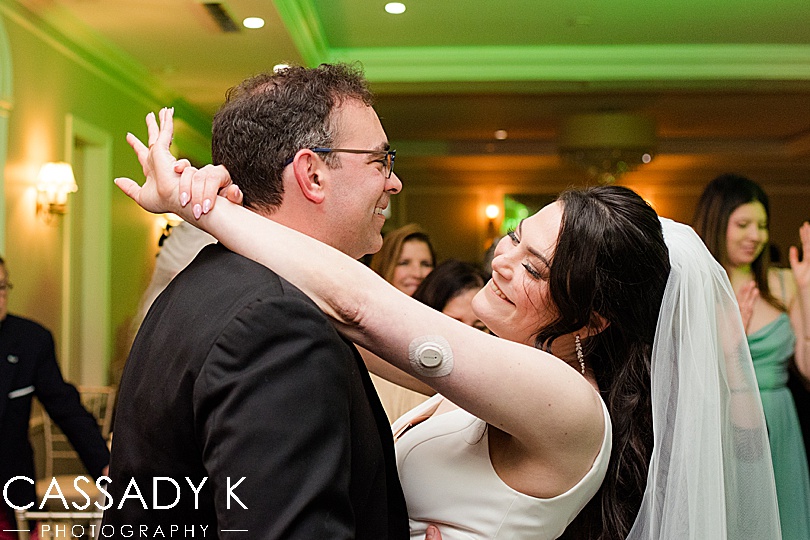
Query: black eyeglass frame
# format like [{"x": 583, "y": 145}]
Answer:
[{"x": 390, "y": 156}]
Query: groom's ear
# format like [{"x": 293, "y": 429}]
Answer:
[{"x": 309, "y": 170}]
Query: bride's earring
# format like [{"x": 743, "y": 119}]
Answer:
[{"x": 580, "y": 356}]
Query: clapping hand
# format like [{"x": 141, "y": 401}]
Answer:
[
  {"x": 801, "y": 270},
  {"x": 746, "y": 298}
]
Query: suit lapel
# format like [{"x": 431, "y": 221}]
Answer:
[
  {"x": 381, "y": 419},
  {"x": 397, "y": 509}
]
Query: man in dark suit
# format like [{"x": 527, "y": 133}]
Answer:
[
  {"x": 242, "y": 412},
  {"x": 28, "y": 368}
]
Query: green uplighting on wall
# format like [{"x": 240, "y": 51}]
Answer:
[{"x": 513, "y": 213}]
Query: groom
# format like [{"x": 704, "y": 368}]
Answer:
[{"x": 242, "y": 412}]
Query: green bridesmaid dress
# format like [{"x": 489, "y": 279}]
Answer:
[{"x": 771, "y": 349}]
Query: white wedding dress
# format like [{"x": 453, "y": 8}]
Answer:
[{"x": 449, "y": 481}]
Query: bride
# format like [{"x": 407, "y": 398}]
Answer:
[{"x": 618, "y": 399}]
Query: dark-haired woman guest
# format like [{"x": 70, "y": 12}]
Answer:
[
  {"x": 732, "y": 218},
  {"x": 450, "y": 288}
]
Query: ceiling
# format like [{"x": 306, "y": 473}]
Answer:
[{"x": 727, "y": 83}]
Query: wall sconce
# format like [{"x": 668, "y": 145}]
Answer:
[
  {"x": 492, "y": 211},
  {"x": 166, "y": 222},
  {"x": 54, "y": 182}
]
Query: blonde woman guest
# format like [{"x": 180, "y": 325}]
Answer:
[{"x": 406, "y": 258}]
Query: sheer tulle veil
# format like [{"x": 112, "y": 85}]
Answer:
[{"x": 710, "y": 474}]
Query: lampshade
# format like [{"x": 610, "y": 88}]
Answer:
[
  {"x": 607, "y": 144},
  {"x": 54, "y": 182}
]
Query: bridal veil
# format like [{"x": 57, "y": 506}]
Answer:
[{"x": 710, "y": 474}]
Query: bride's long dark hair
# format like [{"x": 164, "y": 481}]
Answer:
[{"x": 611, "y": 265}]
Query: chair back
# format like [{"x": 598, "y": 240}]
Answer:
[
  {"x": 51, "y": 523},
  {"x": 99, "y": 401}
]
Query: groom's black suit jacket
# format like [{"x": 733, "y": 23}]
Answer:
[{"x": 236, "y": 373}]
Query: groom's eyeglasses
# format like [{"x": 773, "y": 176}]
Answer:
[{"x": 387, "y": 158}]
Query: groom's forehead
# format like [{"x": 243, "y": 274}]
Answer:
[{"x": 357, "y": 123}]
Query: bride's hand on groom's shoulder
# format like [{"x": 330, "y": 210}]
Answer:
[{"x": 199, "y": 187}]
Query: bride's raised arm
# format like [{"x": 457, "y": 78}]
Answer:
[{"x": 527, "y": 393}]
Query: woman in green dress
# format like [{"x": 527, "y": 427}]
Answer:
[{"x": 732, "y": 218}]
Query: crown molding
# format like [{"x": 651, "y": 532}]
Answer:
[
  {"x": 68, "y": 36},
  {"x": 304, "y": 26},
  {"x": 593, "y": 64}
]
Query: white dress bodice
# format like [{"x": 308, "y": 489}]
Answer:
[{"x": 449, "y": 481}]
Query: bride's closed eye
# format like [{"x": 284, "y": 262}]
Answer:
[{"x": 530, "y": 269}]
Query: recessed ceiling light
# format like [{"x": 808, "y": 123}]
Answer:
[
  {"x": 395, "y": 8},
  {"x": 501, "y": 134},
  {"x": 253, "y": 22}
]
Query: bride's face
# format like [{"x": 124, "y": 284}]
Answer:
[{"x": 514, "y": 303}]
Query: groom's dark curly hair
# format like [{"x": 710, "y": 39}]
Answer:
[{"x": 267, "y": 118}]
